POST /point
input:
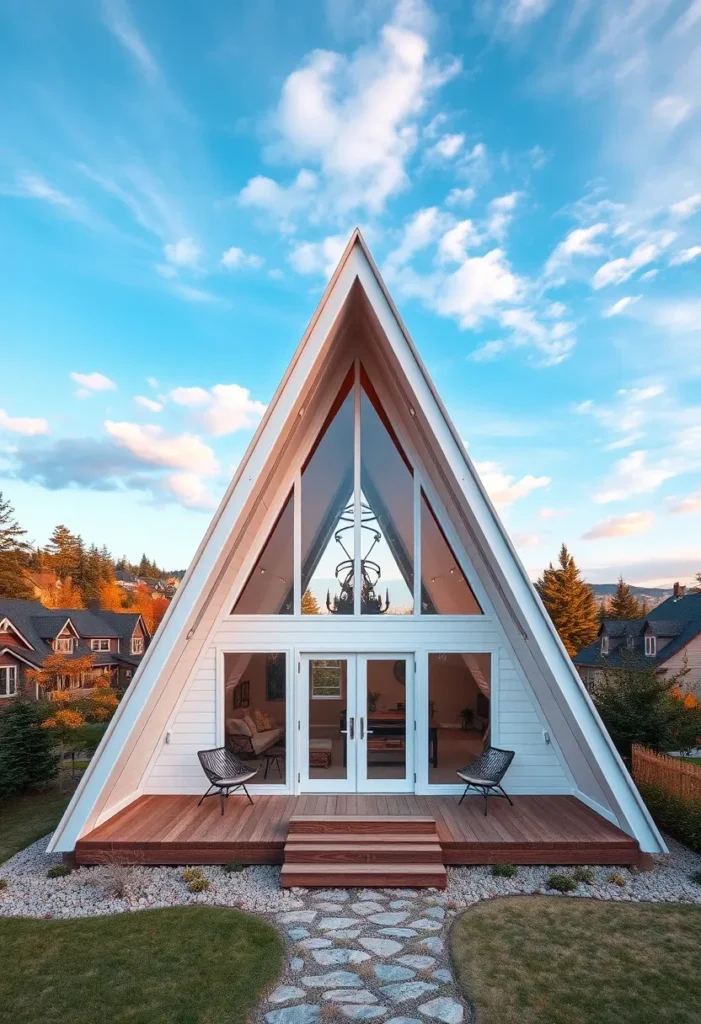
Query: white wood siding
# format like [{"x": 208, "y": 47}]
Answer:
[{"x": 518, "y": 720}]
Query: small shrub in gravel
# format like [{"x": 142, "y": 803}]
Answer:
[
  {"x": 696, "y": 877},
  {"x": 585, "y": 875},
  {"x": 616, "y": 878},
  {"x": 191, "y": 874},
  {"x": 198, "y": 885},
  {"x": 59, "y": 871},
  {"x": 233, "y": 867},
  {"x": 504, "y": 870},
  {"x": 3, "y": 882},
  {"x": 562, "y": 883}
]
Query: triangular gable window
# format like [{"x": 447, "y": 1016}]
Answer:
[
  {"x": 444, "y": 588},
  {"x": 269, "y": 589},
  {"x": 327, "y": 527},
  {"x": 387, "y": 503}
]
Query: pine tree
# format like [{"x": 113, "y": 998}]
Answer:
[
  {"x": 310, "y": 605},
  {"x": 570, "y": 603},
  {"x": 27, "y": 755},
  {"x": 14, "y": 555},
  {"x": 623, "y": 604},
  {"x": 92, "y": 576},
  {"x": 64, "y": 551}
]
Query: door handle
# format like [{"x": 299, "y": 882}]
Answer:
[
  {"x": 351, "y": 728},
  {"x": 363, "y": 733}
]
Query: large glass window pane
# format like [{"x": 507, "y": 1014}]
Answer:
[
  {"x": 444, "y": 589},
  {"x": 459, "y": 688},
  {"x": 327, "y": 514},
  {"x": 328, "y": 704},
  {"x": 269, "y": 589},
  {"x": 387, "y": 498},
  {"x": 386, "y": 718},
  {"x": 255, "y": 712}
]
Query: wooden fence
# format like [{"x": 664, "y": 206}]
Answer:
[{"x": 678, "y": 778}]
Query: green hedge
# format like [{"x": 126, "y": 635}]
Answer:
[{"x": 680, "y": 818}]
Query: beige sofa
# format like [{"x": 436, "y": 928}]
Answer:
[{"x": 244, "y": 740}]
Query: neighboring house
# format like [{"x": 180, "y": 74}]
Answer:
[
  {"x": 668, "y": 637},
  {"x": 357, "y": 596},
  {"x": 29, "y": 632}
]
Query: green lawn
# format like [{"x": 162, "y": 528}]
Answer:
[
  {"x": 28, "y": 817},
  {"x": 188, "y": 965},
  {"x": 691, "y": 760},
  {"x": 549, "y": 960}
]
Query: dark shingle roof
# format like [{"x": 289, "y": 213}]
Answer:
[{"x": 677, "y": 620}]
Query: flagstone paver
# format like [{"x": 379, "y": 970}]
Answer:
[{"x": 385, "y": 955}]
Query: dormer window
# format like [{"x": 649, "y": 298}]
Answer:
[
  {"x": 63, "y": 645},
  {"x": 630, "y": 642},
  {"x": 604, "y": 645},
  {"x": 137, "y": 645},
  {"x": 650, "y": 646},
  {"x": 100, "y": 645}
]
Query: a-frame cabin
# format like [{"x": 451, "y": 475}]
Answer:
[{"x": 357, "y": 700}]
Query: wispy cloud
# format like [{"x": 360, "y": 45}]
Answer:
[
  {"x": 91, "y": 383},
  {"x": 120, "y": 22},
  {"x": 29, "y": 426},
  {"x": 621, "y": 526}
]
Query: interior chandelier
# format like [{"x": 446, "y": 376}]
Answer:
[{"x": 370, "y": 572}]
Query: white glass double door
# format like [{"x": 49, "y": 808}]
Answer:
[{"x": 356, "y": 723}]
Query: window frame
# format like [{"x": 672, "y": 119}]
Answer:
[
  {"x": 60, "y": 645},
  {"x": 137, "y": 641},
  {"x": 650, "y": 646},
  {"x": 11, "y": 677},
  {"x": 605, "y": 645},
  {"x": 97, "y": 642},
  {"x": 325, "y": 696}
]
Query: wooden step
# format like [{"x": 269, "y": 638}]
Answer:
[
  {"x": 348, "y": 852},
  {"x": 359, "y": 837},
  {"x": 358, "y": 823},
  {"x": 364, "y": 875}
]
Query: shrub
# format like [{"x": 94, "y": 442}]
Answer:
[
  {"x": 27, "y": 756},
  {"x": 191, "y": 874},
  {"x": 199, "y": 885},
  {"x": 59, "y": 871},
  {"x": 562, "y": 883},
  {"x": 233, "y": 867},
  {"x": 116, "y": 874},
  {"x": 585, "y": 875},
  {"x": 616, "y": 878},
  {"x": 680, "y": 818},
  {"x": 3, "y": 883},
  {"x": 504, "y": 870},
  {"x": 696, "y": 877}
]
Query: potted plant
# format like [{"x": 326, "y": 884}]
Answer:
[
  {"x": 468, "y": 717},
  {"x": 373, "y": 697}
]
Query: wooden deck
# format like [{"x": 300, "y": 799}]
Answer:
[{"x": 536, "y": 830}]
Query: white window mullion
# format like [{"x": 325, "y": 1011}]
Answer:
[
  {"x": 417, "y": 544},
  {"x": 297, "y": 544},
  {"x": 356, "y": 491}
]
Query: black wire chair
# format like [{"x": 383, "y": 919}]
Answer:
[
  {"x": 485, "y": 774},
  {"x": 225, "y": 773}
]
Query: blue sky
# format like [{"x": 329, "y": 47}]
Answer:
[{"x": 177, "y": 180}]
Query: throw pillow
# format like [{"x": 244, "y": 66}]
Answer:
[
  {"x": 250, "y": 723},
  {"x": 262, "y": 721}
]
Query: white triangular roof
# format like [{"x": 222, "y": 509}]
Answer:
[{"x": 115, "y": 773}]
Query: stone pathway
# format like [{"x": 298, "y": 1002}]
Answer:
[{"x": 366, "y": 955}]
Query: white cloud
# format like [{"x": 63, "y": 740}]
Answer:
[
  {"x": 447, "y": 147},
  {"x": 555, "y": 342},
  {"x": 460, "y": 196},
  {"x": 522, "y": 539},
  {"x": 121, "y": 24},
  {"x": 580, "y": 242},
  {"x": 280, "y": 202},
  {"x": 555, "y": 311},
  {"x": 649, "y": 275},
  {"x": 166, "y": 270},
  {"x": 29, "y": 426},
  {"x": 490, "y": 350},
  {"x": 152, "y": 446},
  {"x": 671, "y": 110},
  {"x": 548, "y": 513},
  {"x": 191, "y": 294},
  {"x": 688, "y": 505},
  {"x": 685, "y": 256},
  {"x": 519, "y": 12},
  {"x": 478, "y": 289},
  {"x": 190, "y": 490},
  {"x": 236, "y": 259},
  {"x": 621, "y": 526},
  {"x": 627, "y": 414},
  {"x": 420, "y": 231},
  {"x": 33, "y": 186},
  {"x": 622, "y": 304},
  {"x": 686, "y": 207},
  {"x": 185, "y": 253},
  {"x": 503, "y": 489},
  {"x": 148, "y": 403},
  {"x": 452, "y": 247},
  {"x": 356, "y": 118},
  {"x": 318, "y": 257},
  {"x": 152, "y": 382},
  {"x": 225, "y": 409},
  {"x": 90, "y": 383},
  {"x": 635, "y": 474},
  {"x": 619, "y": 270},
  {"x": 501, "y": 212}
]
